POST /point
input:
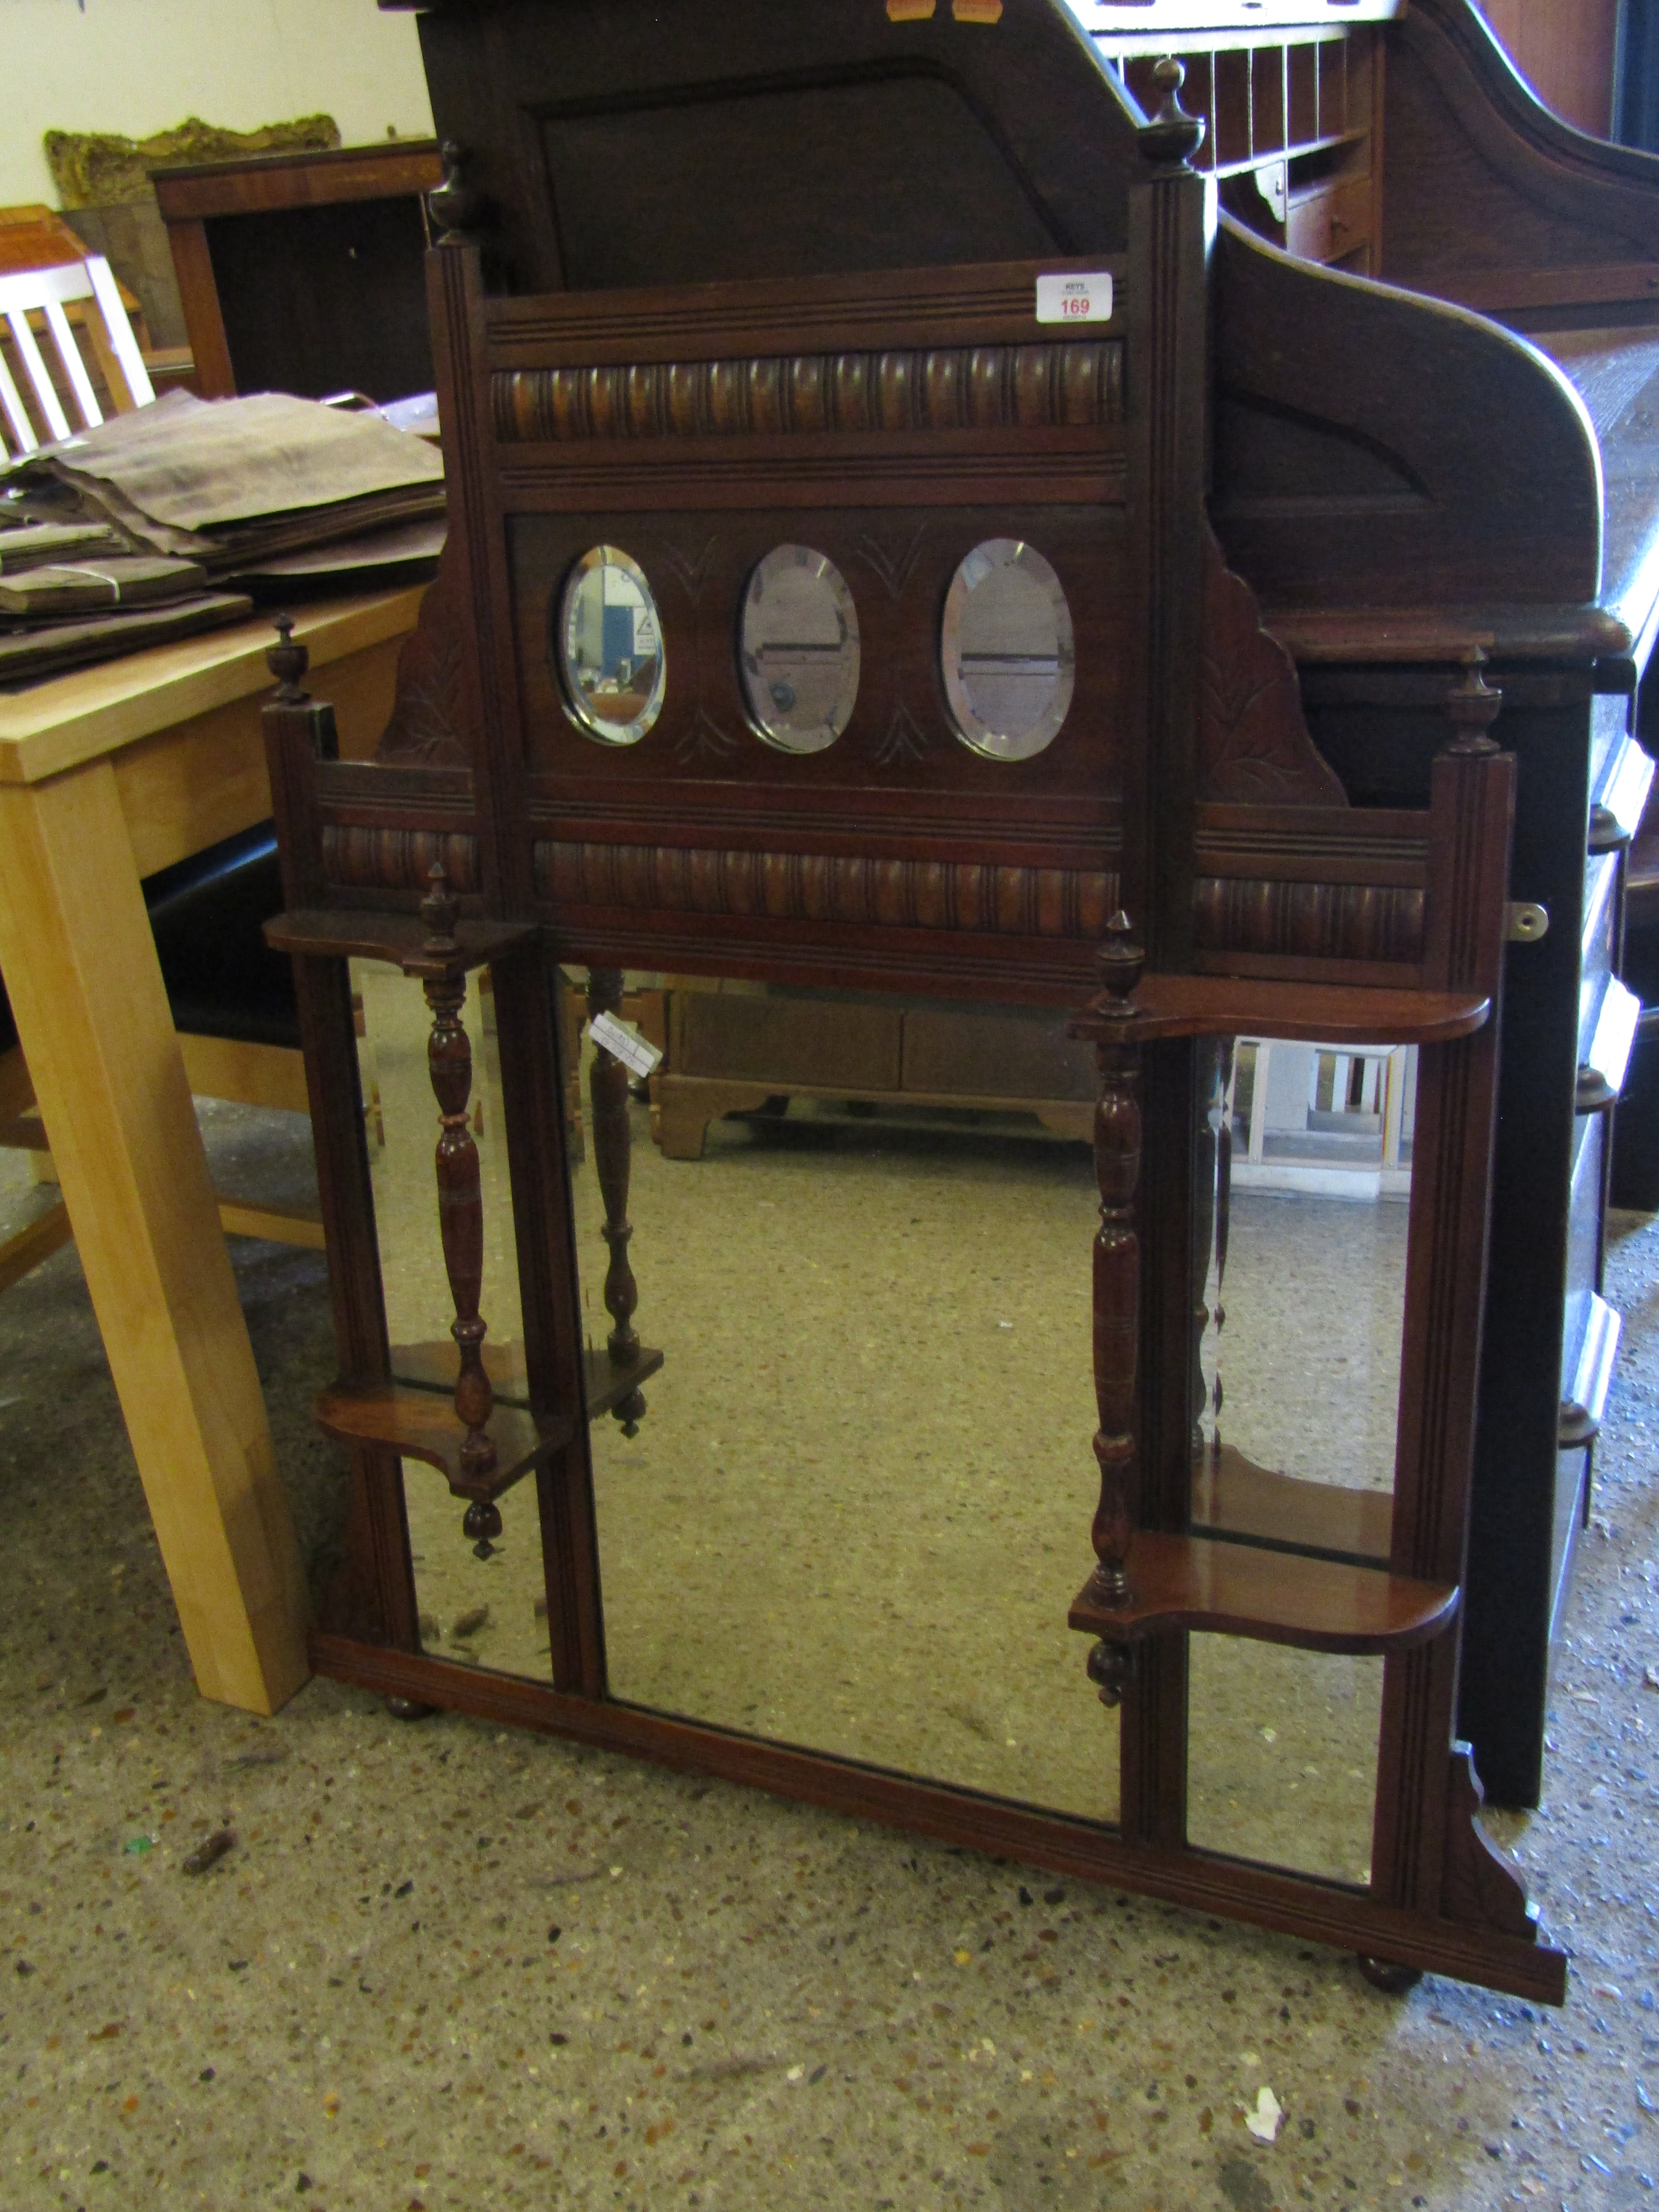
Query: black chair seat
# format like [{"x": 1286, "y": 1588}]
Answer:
[{"x": 208, "y": 914}]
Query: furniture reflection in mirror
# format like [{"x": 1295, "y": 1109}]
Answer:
[
  {"x": 1094, "y": 803},
  {"x": 302, "y": 272}
]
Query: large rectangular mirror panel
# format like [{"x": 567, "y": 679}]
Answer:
[{"x": 853, "y": 1514}]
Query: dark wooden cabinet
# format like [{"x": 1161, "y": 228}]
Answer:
[{"x": 303, "y": 272}]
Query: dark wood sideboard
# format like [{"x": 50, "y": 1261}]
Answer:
[{"x": 302, "y": 272}]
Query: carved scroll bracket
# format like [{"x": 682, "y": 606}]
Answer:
[{"x": 1255, "y": 748}]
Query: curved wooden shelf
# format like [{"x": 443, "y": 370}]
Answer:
[
  {"x": 399, "y": 939},
  {"x": 1271, "y": 1597},
  {"x": 1232, "y": 1497},
  {"x": 1303, "y": 1013},
  {"x": 416, "y": 1424},
  {"x": 605, "y": 1382}
]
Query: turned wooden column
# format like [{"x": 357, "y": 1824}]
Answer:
[
  {"x": 607, "y": 1088},
  {"x": 460, "y": 1199},
  {"x": 1116, "y": 1287}
]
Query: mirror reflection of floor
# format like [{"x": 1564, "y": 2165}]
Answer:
[{"x": 858, "y": 1504}]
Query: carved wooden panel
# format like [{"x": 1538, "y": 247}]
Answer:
[
  {"x": 944, "y": 388},
  {"x": 1253, "y": 746},
  {"x": 896, "y": 894},
  {"x": 358, "y": 857},
  {"x": 1369, "y": 922},
  {"x": 897, "y": 565},
  {"x": 428, "y": 728}
]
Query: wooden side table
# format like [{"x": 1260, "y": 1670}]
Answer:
[{"x": 106, "y": 775}]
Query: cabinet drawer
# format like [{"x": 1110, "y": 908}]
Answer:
[
  {"x": 995, "y": 1056},
  {"x": 1583, "y": 1240},
  {"x": 1324, "y": 222},
  {"x": 825, "y": 1043},
  {"x": 1596, "y": 945}
]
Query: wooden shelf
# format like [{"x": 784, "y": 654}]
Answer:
[
  {"x": 1233, "y": 1497},
  {"x": 608, "y": 1381},
  {"x": 1271, "y": 1597},
  {"x": 433, "y": 1367},
  {"x": 400, "y": 939},
  {"x": 417, "y": 1423},
  {"x": 1302, "y": 1013}
]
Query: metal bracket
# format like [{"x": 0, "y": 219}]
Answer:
[{"x": 1525, "y": 923}]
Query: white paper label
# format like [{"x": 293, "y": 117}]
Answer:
[
  {"x": 1075, "y": 298},
  {"x": 624, "y": 1044}
]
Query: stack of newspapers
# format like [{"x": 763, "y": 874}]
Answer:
[{"x": 143, "y": 529}]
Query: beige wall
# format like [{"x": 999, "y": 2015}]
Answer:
[
  {"x": 1565, "y": 50},
  {"x": 138, "y": 66}
]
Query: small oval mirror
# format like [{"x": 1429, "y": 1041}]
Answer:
[
  {"x": 1006, "y": 650},
  {"x": 608, "y": 648},
  {"x": 799, "y": 650}
]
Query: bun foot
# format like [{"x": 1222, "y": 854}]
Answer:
[{"x": 1383, "y": 1974}]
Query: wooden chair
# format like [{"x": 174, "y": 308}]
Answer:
[
  {"x": 41, "y": 297},
  {"x": 236, "y": 1045}
]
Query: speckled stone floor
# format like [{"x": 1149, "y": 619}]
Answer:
[{"x": 447, "y": 1967}]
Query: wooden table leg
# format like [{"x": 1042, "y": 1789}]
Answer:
[{"x": 86, "y": 989}]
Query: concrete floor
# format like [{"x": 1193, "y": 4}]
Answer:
[{"x": 445, "y": 1966}]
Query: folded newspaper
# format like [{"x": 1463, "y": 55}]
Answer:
[{"x": 231, "y": 482}]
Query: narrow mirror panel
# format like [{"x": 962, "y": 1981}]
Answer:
[
  {"x": 482, "y": 1604},
  {"x": 1282, "y": 1755},
  {"x": 1302, "y": 1310},
  {"x": 851, "y": 1515}
]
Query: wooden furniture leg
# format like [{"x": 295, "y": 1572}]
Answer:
[{"x": 93, "y": 1018}]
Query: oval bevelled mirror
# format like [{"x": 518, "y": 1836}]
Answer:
[
  {"x": 1006, "y": 652},
  {"x": 799, "y": 650},
  {"x": 607, "y": 647}
]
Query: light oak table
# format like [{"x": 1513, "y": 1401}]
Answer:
[{"x": 106, "y": 775}]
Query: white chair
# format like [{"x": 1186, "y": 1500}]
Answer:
[{"x": 89, "y": 288}]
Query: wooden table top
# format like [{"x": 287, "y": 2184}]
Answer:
[{"x": 69, "y": 720}]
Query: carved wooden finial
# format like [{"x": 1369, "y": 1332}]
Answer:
[
  {"x": 1119, "y": 964},
  {"x": 288, "y": 662},
  {"x": 439, "y": 910},
  {"x": 457, "y": 208},
  {"x": 1172, "y": 136},
  {"x": 1474, "y": 707}
]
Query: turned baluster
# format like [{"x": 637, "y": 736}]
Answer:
[
  {"x": 1116, "y": 1287},
  {"x": 607, "y": 1085},
  {"x": 1225, "y": 1052},
  {"x": 460, "y": 1200}
]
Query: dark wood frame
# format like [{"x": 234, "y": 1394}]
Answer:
[{"x": 1262, "y": 902}]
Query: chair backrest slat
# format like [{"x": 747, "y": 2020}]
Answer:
[
  {"x": 34, "y": 368},
  {"x": 74, "y": 367},
  {"x": 44, "y": 293},
  {"x": 11, "y": 405}
]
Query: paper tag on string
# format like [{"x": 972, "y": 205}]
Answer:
[{"x": 624, "y": 1044}]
